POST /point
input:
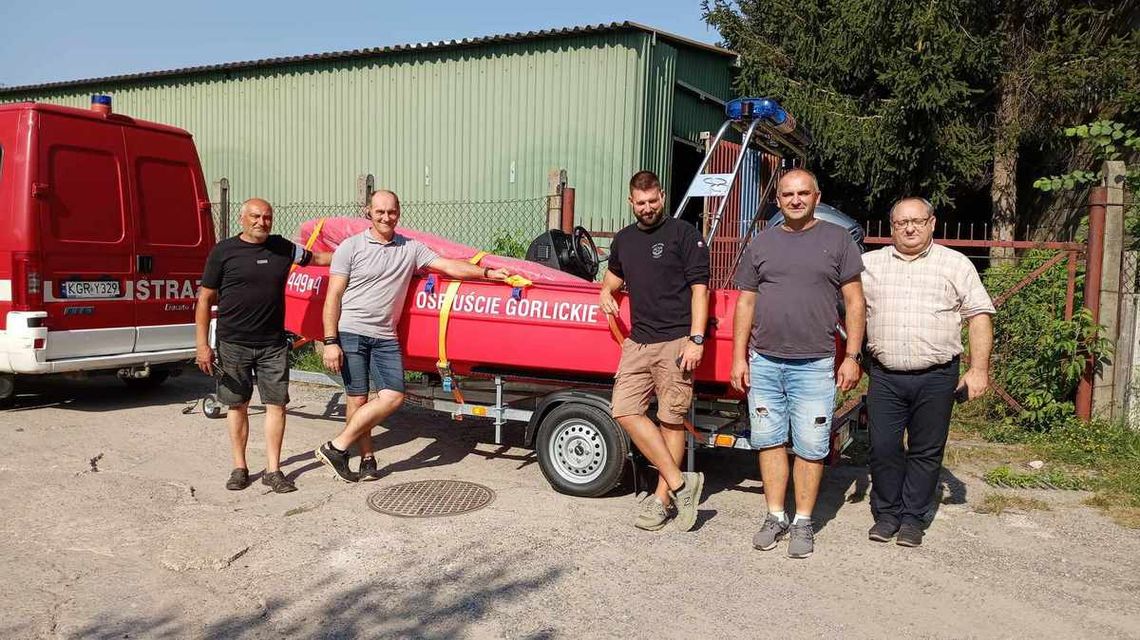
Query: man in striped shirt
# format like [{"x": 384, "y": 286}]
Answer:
[{"x": 918, "y": 294}]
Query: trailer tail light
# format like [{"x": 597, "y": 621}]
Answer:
[
  {"x": 27, "y": 282},
  {"x": 724, "y": 440}
]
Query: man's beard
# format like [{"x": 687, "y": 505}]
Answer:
[{"x": 651, "y": 220}]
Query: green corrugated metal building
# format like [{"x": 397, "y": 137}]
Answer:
[{"x": 481, "y": 119}]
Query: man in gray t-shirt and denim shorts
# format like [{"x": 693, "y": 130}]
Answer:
[
  {"x": 368, "y": 281},
  {"x": 784, "y": 350}
]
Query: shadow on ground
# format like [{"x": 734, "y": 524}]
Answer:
[
  {"x": 100, "y": 393},
  {"x": 446, "y": 604}
]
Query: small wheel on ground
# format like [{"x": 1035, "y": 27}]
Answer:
[
  {"x": 212, "y": 407},
  {"x": 581, "y": 450},
  {"x": 156, "y": 377}
]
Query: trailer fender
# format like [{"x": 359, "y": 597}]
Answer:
[{"x": 553, "y": 400}]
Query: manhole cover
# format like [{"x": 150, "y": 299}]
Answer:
[{"x": 430, "y": 498}]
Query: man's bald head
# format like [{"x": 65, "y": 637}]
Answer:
[
  {"x": 384, "y": 212},
  {"x": 255, "y": 204},
  {"x": 800, "y": 173},
  {"x": 256, "y": 219},
  {"x": 384, "y": 194},
  {"x": 797, "y": 194}
]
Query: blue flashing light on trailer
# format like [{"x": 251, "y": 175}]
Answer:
[{"x": 757, "y": 108}]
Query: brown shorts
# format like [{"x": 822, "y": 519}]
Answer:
[{"x": 650, "y": 368}]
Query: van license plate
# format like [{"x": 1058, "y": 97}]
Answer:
[{"x": 91, "y": 289}]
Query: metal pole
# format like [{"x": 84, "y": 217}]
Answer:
[
  {"x": 735, "y": 171},
  {"x": 498, "y": 410},
  {"x": 1071, "y": 285},
  {"x": 1098, "y": 202},
  {"x": 224, "y": 183},
  {"x": 701, "y": 169}
]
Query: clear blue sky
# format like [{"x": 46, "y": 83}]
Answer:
[{"x": 55, "y": 40}]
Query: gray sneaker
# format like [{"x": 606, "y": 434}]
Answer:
[
  {"x": 801, "y": 540},
  {"x": 686, "y": 500},
  {"x": 652, "y": 515},
  {"x": 770, "y": 533}
]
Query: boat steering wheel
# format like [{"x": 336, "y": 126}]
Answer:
[{"x": 586, "y": 251}]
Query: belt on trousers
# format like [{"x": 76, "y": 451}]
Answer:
[{"x": 953, "y": 362}]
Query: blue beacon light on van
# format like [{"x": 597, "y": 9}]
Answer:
[{"x": 101, "y": 103}]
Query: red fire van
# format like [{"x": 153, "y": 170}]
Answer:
[{"x": 105, "y": 226}]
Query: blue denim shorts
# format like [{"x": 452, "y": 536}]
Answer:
[
  {"x": 792, "y": 394},
  {"x": 370, "y": 364}
]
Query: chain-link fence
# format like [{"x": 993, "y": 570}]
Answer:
[{"x": 501, "y": 226}]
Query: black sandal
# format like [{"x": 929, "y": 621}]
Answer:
[
  {"x": 278, "y": 482},
  {"x": 239, "y": 479}
]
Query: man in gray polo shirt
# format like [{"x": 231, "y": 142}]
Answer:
[{"x": 368, "y": 281}]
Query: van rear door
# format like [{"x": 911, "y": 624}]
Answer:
[
  {"x": 173, "y": 236},
  {"x": 86, "y": 237}
]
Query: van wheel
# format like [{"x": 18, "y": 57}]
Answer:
[
  {"x": 581, "y": 450},
  {"x": 7, "y": 389},
  {"x": 156, "y": 377}
]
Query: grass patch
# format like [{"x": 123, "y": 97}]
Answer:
[
  {"x": 1004, "y": 476},
  {"x": 306, "y": 358},
  {"x": 1099, "y": 456},
  {"x": 972, "y": 453},
  {"x": 999, "y": 503},
  {"x": 1122, "y": 514}
]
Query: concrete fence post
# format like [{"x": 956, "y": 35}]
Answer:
[
  {"x": 1106, "y": 402},
  {"x": 1126, "y": 383}
]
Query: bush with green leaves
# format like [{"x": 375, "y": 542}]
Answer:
[
  {"x": 1104, "y": 140},
  {"x": 1039, "y": 356},
  {"x": 508, "y": 244}
]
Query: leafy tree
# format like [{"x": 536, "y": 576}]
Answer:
[
  {"x": 1060, "y": 61},
  {"x": 935, "y": 98},
  {"x": 1103, "y": 140}
]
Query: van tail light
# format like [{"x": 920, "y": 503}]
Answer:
[{"x": 27, "y": 282}]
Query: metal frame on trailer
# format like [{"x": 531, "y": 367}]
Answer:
[{"x": 719, "y": 423}]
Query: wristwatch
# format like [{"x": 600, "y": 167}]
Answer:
[
  {"x": 857, "y": 357},
  {"x": 697, "y": 338}
]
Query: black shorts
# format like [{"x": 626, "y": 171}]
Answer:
[{"x": 240, "y": 363}]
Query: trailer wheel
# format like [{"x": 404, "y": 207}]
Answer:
[
  {"x": 212, "y": 407},
  {"x": 581, "y": 450}
]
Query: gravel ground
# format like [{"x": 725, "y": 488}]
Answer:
[{"x": 117, "y": 525}]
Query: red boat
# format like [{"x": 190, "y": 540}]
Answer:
[{"x": 552, "y": 328}]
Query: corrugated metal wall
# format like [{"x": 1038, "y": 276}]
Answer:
[
  {"x": 660, "y": 61},
  {"x": 477, "y": 123},
  {"x": 711, "y": 74}
]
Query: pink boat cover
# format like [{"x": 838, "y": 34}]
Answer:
[{"x": 336, "y": 230}]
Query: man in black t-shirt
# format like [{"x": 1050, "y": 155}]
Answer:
[
  {"x": 245, "y": 276},
  {"x": 664, "y": 264}
]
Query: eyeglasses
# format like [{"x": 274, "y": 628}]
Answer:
[{"x": 903, "y": 224}]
